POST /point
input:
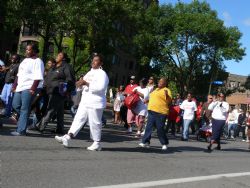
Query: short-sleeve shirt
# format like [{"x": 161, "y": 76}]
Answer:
[
  {"x": 141, "y": 107},
  {"x": 28, "y": 71},
  {"x": 129, "y": 88},
  {"x": 158, "y": 101},
  {"x": 189, "y": 109}
]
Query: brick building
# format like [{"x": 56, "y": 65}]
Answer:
[{"x": 240, "y": 98}]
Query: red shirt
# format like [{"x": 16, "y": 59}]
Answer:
[
  {"x": 198, "y": 112},
  {"x": 129, "y": 88},
  {"x": 173, "y": 113},
  {"x": 248, "y": 121}
]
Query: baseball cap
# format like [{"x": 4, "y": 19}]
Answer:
[{"x": 132, "y": 77}]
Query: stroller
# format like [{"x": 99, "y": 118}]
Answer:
[{"x": 205, "y": 132}]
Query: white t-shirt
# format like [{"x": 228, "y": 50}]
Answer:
[
  {"x": 231, "y": 118},
  {"x": 236, "y": 113},
  {"x": 141, "y": 107},
  {"x": 94, "y": 96},
  {"x": 220, "y": 110},
  {"x": 28, "y": 71},
  {"x": 189, "y": 109},
  {"x": 150, "y": 88}
]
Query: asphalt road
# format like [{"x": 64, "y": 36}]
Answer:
[{"x": 38, "y": 161}]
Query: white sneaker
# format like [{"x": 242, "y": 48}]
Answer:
[
  {"x": 243, "y": 140},
  {"x": 143, "y": 132},
  {"x": 63, "y": 139},
  {"x": 138, "y": 134},
  {"x": 146, "y": 145},
  {"x": 59, "y": 138},
  {"x": 129, "y": 130},
  {"x": 164, "y": 147},
  {"x": 95, "y": 147}
]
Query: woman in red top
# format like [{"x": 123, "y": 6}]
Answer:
[
  {"x": 199, "y": 115},
  {"x": 172, "y": 118},
  {"x": 128, "y": 91}
]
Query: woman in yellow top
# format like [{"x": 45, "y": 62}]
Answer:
[{"x": 158, "y": 110}]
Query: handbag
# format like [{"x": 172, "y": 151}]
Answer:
[{"x": 131, "y": 100}]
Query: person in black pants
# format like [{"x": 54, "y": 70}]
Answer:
[
  {"x": 59, "y": 81},
  {"x": 40, "y": 102},
  {"x": 241, "y": 125}
]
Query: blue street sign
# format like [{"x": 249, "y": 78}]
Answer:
[{"x": 218, "y": 82}]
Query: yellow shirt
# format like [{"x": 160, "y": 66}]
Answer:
[{"x": 158, "y": 101}]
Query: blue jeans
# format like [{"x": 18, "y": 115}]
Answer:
[
  {"x": 21, "y": 104},
  {"x": 158, "y": 120},
  {"x": 6, "y": 97},
  {"x": 185, "y": 132},
  {"x": 231, "y": 126}
]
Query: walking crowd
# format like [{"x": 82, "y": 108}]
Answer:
[{"x": 32, "y": 89}]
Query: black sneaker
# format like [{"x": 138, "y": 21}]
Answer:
[
  {"x": 184, "y": 139},
  {"x": 218, "y": 148},
  {"x": 58, "y": 132},
  {"x": 33, "y": 128},
  {"x": 209, "y": 147}
]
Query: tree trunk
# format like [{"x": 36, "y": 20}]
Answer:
[
  {"x": 210, "y": 87},
  {"x": 75, "y": 50},
  {"x": 46, "y": 39},
  {"x": 214, "y": 74},
  {"x": 58, "y": 41}
]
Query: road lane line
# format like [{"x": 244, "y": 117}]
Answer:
[{"x": 175, "y": 181}]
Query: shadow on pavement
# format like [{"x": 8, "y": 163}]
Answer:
[{"x": 154, "y": 149}]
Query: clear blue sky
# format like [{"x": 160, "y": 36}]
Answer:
[{"x": 234, "y": 13}]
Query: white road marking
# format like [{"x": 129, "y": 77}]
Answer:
[{"x": 175, "y": 181}]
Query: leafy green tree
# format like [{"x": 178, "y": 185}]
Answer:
[
  {"x": 192, "y": 44},
  {"x": 41, "y": 15}
]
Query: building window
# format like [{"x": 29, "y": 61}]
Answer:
[
  {"x": 131, "y": 65},
  {"x": 29, "y": 31},
  {"x": 51, "y": 48},
  {"x": 116, "y": 60},
  {"x": 232, "y": 84},
  {"x": 116, "y": 79},
  {"x": 123, "y": 80},
  {"x": 125, "y": 65}
]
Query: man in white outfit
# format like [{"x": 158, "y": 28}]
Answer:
[{"x": 92, "y": 104}]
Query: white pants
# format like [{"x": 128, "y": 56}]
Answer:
[{"x": 93, "y": 117}]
